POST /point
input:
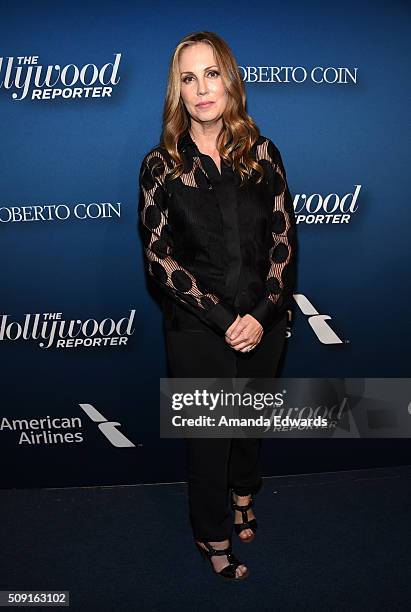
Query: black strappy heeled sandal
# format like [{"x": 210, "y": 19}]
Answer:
[
  {"x": 229, "y": 571},
  {"x": 246, "y": 524}
]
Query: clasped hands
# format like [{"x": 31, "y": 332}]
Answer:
[{"x": 244, "y": 333}]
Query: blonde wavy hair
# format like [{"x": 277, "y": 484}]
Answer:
[{"x": 239, "y": 132}]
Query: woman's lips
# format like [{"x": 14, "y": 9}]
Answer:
[{"x": 204, "y": 105}]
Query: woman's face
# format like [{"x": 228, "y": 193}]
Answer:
[{"x": 201, "y": 82}]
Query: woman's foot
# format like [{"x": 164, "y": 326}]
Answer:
[
  {"x": 246, "y": 534},
  {"x": 221, "y": 561}
]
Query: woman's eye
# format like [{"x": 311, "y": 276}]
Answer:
[{"x": 185, "y": 79}]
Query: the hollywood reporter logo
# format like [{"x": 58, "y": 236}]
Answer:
[
  {"x": 50, "y": 329},
  {"x": 24, "y": 73},
  {"x": 316, "y": 209}
]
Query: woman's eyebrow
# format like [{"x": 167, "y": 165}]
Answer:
[{"x": 208, "y": 68}]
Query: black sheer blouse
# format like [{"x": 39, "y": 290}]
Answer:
[{"x": 217, "y": 248}]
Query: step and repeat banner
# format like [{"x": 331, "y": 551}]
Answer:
[{"x": 81, "y": 338}]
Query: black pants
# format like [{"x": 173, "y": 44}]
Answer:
[{"x": 216, "y": 465}]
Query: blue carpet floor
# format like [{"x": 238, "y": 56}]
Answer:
[{"x": 338, "y": 541}]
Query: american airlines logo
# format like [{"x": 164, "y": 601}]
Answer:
[
  {"x": 58, "y": 430},
  {"x": 107, "y": 428},
  {"x": 317, "y": 321}
]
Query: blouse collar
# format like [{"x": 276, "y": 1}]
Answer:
[{"x": 186, "y": 142}]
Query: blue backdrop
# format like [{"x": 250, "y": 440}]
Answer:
[{"x": 327, "y": 84}]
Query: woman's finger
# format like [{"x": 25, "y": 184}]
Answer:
[
  {"x": 241, "y": 339},
  {"x": 243, "y": 346},
  {"x": 248, "y": 348}
]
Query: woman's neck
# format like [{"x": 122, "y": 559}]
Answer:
[{"x": 205, "y": 139}]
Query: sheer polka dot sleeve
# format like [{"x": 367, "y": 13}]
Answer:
[
  {"x": 157, "y": 236},
  {"x": 281, "y": 276}
]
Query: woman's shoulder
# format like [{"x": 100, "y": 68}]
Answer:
[
  {"x": 267, "y": 149},
  {"x": 157, "y": 153},
  {"x": 156, "y": 162}
]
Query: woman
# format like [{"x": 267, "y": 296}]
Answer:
[{"x": 218, "y": 230}]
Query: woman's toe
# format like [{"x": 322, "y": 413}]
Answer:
[{"x": 241, "y": 569}]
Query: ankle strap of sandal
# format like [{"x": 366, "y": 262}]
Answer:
[
  {"x": 214, "y": 551},
  {"x": 242, "y": 508}
]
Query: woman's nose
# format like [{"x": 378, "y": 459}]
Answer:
[{"x": 201, "y": 88}]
